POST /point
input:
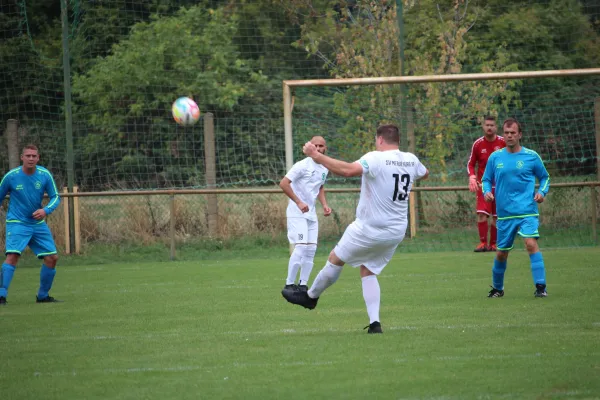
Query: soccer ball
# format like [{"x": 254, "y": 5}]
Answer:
[{"x": 185, "y": 111}]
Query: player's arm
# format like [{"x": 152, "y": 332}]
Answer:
[
  {"x": 3, "y": 188},
  {"x": 543, "y": 177},
  {"x": 286, "y": 185},
  {"x": 323, "y": 201},
  {"x": 473, "y": 187},
  {"x": 486, "y": 181},
  {"x": 52, "y": 194},
  {"x": 337, "y": 167}
]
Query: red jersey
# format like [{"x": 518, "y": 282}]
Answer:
[{"x": 480, "y": 152}]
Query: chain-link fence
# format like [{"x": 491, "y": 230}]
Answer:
[{"x": 129, "y": 60}]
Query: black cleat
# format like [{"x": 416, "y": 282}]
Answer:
[
  {"x": 48, "y": 299},
  {"x": 540, "y": 290},
  {"x": 300, "y": 298},
  {"x": 302, "y": 288},
  {"x": 293, "y": 286},
  {"x": 2, "y": 301},
  {"x": 495, "y": 292},
  {"x": 374, "y": 327}
]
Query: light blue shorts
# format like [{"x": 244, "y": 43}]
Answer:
[
  {"x": 38, "y": 237},
  {"x": 526, "y": 227}
]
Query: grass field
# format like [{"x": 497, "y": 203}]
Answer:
[{"x": 220, "y": 329}]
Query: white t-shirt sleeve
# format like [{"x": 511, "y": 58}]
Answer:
[
  {"x": 296, "y": 171},
  {"x": 421, "y": 170},
  {"x": 369, "y": 164}
]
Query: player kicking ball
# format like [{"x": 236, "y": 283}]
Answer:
[
  {"x": 381, "y": 219},
  {"x": 514, "y": 170}
]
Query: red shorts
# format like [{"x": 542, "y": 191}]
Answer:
[{"x": 484, "y": 207}]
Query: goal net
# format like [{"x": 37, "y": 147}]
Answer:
[{"x": 441, "y": 119}]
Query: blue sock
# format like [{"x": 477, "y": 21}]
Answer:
[
  {"x": 6, "y": 275},
  {"x": 498, "y": 274},
  {"x": 46, "y": 279},
  {"x": 537, "y": 268}
]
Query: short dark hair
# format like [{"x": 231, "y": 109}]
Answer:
[
  {"x": 390, "y": 133},
  {"x": 30, "y": 147},
  {"x": 510, "y": 122},
  {"x": 490, "y": 118}
]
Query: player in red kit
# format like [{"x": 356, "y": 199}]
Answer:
[{"x": 480, "y": 152}]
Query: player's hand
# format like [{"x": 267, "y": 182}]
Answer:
[
  {"x": 39, "y": 214},
  {"x": 539, "y": 198},
  {"x": 309, "y": 149},
  {"x": 489, "y": 197},
  {"x": 302, "y": 206},
  {"x": 473, "y": 185},
  {"x": 326, "y": 211}
]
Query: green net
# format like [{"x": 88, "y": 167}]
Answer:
[{"x": 130, "y": 60}]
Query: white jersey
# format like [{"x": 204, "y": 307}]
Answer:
[
  {"x": 307, "y": 178},
  {"x": 387, "y": 179}
]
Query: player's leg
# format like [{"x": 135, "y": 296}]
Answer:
[
  {"x": 308, "y": 255},
  {"x": 6, "y": 275},
  {"x": 493, "y": 234},
  {"x": 506, "y": 236},
  {"x": 482, "y": 223},
  {"x": 297, "y": 235},
  {"x": 42, "y": 244},
  {"x": 17, "y": 237},
  {"x": 529, "y": 232},
  {"x": 372, "y": 297},
  {"x": 327, "y": 276},
  {"x": 324, "y": 279}
]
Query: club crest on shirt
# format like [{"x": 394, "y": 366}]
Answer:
[
  {"x": 483, "y": 151},
  {"x": 496, "y": 148},
  {"x": 38, "y": 185},
  {"x": 520, "y": 164},
  {"x": 500, "y": 165}
]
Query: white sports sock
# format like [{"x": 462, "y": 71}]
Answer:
[
  {"x": 294, "y": 264},
  {"x": 326, "y": 277},
  {"x": 372, "y": 296},
  {"x": 306, "y": 267}
]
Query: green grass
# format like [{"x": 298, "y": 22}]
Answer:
[{"x": 220, "y": 329}]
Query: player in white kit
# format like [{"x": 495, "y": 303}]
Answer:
[
  {"x": 381, "y": 218},
  {"x": 303, "y": 184}
]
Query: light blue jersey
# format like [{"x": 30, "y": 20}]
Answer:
[
  {"x": 513, "y": 175},
  {"x": 26, "y": 194}
]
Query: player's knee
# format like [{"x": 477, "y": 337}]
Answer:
[
  {"x": 310, "y": 250},
  {"x": 502, "y": 256},
  {"x": 531, "y": 245},
  {"x": 50, "y": 261},
  {"x": 12, "y": 259}
]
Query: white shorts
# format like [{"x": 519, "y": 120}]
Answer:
[
  {"x": 302, "y": 230},
  {"x": 356, "y": 249}
]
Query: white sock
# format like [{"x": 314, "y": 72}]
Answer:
[
  {"x": 372, "y": 296},
  {"x": 327, "y": 277},
  {"x": 294, "y": 264},
  {"x": 306, "y": 267}
]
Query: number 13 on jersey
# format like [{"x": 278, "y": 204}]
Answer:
[{"x": 404, "y": 180}]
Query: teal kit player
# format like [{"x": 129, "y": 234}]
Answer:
[
  {"x": 513, "y": 170},
  {"x": 26, "y": 224}
]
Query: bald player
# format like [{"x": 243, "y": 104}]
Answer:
[{"x": 303, "y": 184}]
